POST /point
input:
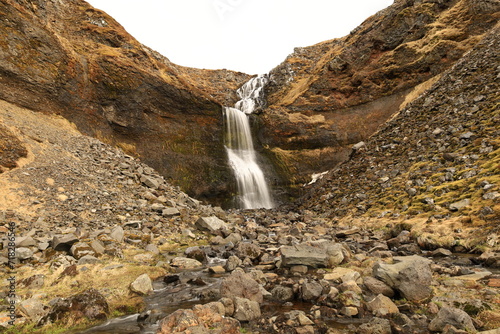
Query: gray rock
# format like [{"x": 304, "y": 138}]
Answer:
[
  {"x": 118, "y": 234},
  {"x": 491, "y": 195},
  {"x": 81, "y": 249},
  {"x": 25, "y": 242},
  {"x": 170, "y": 212},
  {"x": 142, "y": 285},
  {"x": 153, "y": 249},
  {"x": 88, "y": 259},
  {"x": 412, "y": 276},
  {"x": 211, "y": 224},
  {"x": 24, "y": 253},
  {"x": 33, "y": 309},
  {"x": 454, "y": 317},
  {"x": 150, "y": 182},
  {"x": 245, "y": 309},
  {"x": 457, "y": 206},
  {"x": 311, "y": 291},
  {"x": 318, "y": 254},
  {"x": 441, "y": 252},
  {"x": 98, "y": 247}
]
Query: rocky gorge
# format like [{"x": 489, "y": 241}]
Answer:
[{"x": 400, "y": 236}]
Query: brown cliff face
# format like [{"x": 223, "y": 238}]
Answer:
[
  {"x": 327, "y": 97},
  {"x": 72, "y": 59}
]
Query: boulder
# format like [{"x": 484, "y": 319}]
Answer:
[
  {"x": 311, "y": 290},
  {"x": 245, "y": 309},
  {"x": 282, "y": 293},
  {"x": 411, "y": 276},
  {"x": 201, "y": 321},
  {"x": 142, "y": 285},
  {"x": 32, "y": 309},
  {"x": 211, "y": 224},
  {"x": 378, "y": 287},
  {"x": 248, "y": 250},
  {"x": 381, "y": 306},
  {"x": 454, "y": 317},
  {"x": 317, "y": 254},
  {"x": 240, "y": 284}
]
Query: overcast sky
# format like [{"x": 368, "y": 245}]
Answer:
[{"x": 251, "y": 36}]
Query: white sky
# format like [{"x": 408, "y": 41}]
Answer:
[{"x": 251, "y": 36}]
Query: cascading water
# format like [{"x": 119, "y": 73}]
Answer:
[{"x": 252, "y": 186}]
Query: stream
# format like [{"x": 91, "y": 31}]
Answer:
[{"x": 186, "y": 288}]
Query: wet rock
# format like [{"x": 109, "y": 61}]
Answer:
[
  {"x": 142, "y": 285},
  {"x": 454, "y": 317},
  {"x": 411, "y": 276},
  {"x": 211, "y": 224},
  {"x": 240, "y": 284},
  {"x": 217, "y": 270},
  {"x": 441, "y": 252},
  {"x": 196, "y": 253},
  {"x": 245, "y": 309}
]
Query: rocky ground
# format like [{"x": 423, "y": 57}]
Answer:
[{"x": 96, "y": 230}]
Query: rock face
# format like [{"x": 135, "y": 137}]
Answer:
[
  {"x": 423, "y": 149},
  {"x": 99, "y": 77},
  {"x": 324, "y": 98}
]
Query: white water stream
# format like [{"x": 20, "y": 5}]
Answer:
[{"x": 253, "y": 191}]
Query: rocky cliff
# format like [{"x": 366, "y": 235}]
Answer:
[
  {"x": 72, "y": 59},
  {"x": 437, "y": 159},
  {"x": 324, "y": 98}
]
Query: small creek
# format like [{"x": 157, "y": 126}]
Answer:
[{"x": 184, "y": 289}]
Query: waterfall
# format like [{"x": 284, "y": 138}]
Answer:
[{"x": 253, "y": 191}]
